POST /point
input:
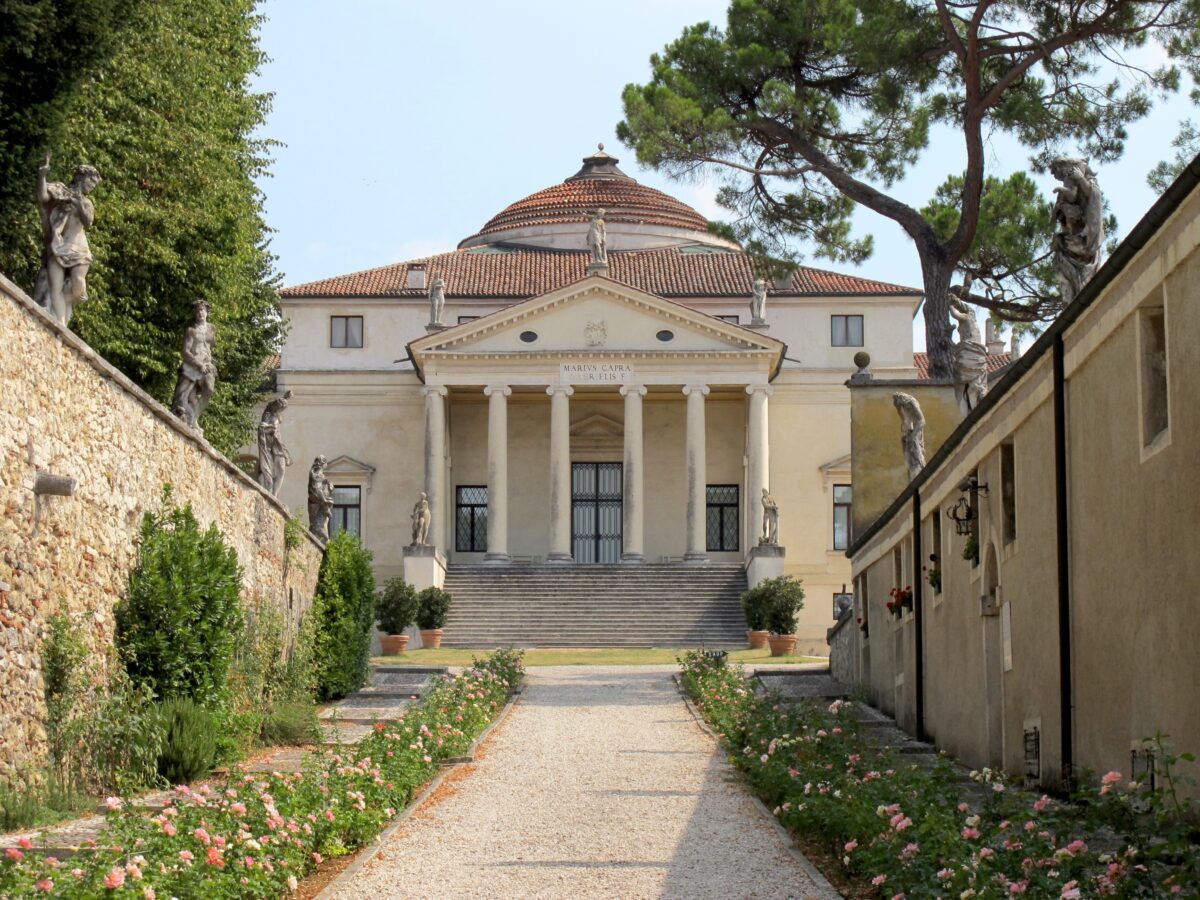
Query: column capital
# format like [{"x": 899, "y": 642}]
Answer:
[
  {"x": 502, "y": 389},
  {"x": 760, "y": 389},
  {"x": 627, "y": 389},
  {"x": 565, "y": 389},
  {"x": 439, "y": 390},
  {"x": 689, "y": 389}
]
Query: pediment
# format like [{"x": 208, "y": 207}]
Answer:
[
  {"x": 348, "y": 465},
  {"x": 597, "y": 437},
  {"x": 597, "y": 426}
]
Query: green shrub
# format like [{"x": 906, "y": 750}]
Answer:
[
  {"x": 343, "y": 612},
  {"x": 435, "y": 604},
  {"x": 64, "y": 655},
  {"x": 189, "y": 741},
  {"x": 772, "y": 605},
  {"x": 178, "y": 623},
  {"x": 291, "y": 723},
  {"x": 754, "y": 607},
  {"x": 120, "y": 735},
  {"x": 396, "y": 607}
]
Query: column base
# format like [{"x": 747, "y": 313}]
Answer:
[
  {"x": 499, "y": 559},
  {"x": 695, "y": 558},
  {"x": 633, "y": 558},
  {"x": 560, "y": 558}
]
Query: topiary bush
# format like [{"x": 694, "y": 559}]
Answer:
[
  {"x": 178, "y": 623},
  {"x": 396, "y": 607},
  {"x": 434, "y": 605},
  {"x": 189, "y": 746},
  {"x": 343, "y": 614},
  {"x": 785, "y": 599}
]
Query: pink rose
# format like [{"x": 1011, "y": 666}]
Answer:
[{"x": 114, "y": 879}]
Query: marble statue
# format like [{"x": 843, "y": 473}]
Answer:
[
  {"x": 597, "y": 240},
  {"x": 970, "y": 357},
  {"x": 272, "y": 455},
  {"x": 66, "y": 214},
  {"x": 422, "y": 516},
  {"x": 320, "y": 499},
  {"x": 770, "y": 519},
  {"x": 437, "y": 300},
  {"x": 1079, "y": 213},
  {"x": 912, "y": 432},
  {"x": 197, "y": 373},
  {"x": 758, "y": 302}
]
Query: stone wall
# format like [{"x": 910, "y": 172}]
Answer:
[
  {"x": 843, "y": 650},
  {"x": 65, "y": 411}
]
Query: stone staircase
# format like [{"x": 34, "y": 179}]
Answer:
[{"x": 666, "y": 605}]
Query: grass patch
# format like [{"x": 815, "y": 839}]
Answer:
[{"x": 601, "y": 656}]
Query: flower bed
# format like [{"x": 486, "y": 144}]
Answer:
[
  {"x": 901, "y": 830},
  {"x": 260, "y": 833}
]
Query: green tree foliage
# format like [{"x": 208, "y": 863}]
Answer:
[
  {"x": 396, "y": 606},
  {"x": 809, "y": 107},
  {"x": 1187, "y": 147},
  {"x": 169, "y": 120},
  {"x": 433, "y": 607},
  {"x": 177, "y": 625},
  {"x": 343, "y": 614}
]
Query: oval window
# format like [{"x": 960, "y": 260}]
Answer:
[
  {"x": 665, "y": 335},
  {"x": 529, "y": 336}
]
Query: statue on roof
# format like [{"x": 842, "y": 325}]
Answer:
[
  {"x": 197, "y": 371},
  {"x": 597, "y": 240},
  {"x": 66, "y": 214},
  {"x": 273, "y": 457},
  {"x": 1079, "y": 212},
  {"x": 912, "y": 432},
  {"x": 970, "y": 361},
  {"x": 758, "y": 302},
  {"x": 437, "y": 300}
]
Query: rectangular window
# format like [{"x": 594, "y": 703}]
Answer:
[
  {"x": 345, "y": 331},
  {"x": 470, "y": 518},
  {"x": 732, "y": 320},
  {"x": 847, "y": 331},
  {"x": 347, "y": 511},
  {"x": 841, "y": 516},
  {"x": 1153, "y": 327},
  {"x": 722, "y": 517},
  {"x": 1008, "y": 491}
]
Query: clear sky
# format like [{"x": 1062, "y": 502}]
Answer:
[{"x": 407, "y": 124}]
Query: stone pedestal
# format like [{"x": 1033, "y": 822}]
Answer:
[
  {"x": 765, "y": 561},
  {"x": 424, "y": 566},
  {"x": 758, "y": 325},
  {"x": 435, "y": 326},
  {"x": 598, "y": 269}
]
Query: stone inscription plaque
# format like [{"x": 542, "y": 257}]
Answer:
[{"x": 594, "y": 373}]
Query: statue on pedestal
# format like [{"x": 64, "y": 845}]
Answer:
[
  {"x": 66, "y": 214},
  {"x": 1079, "y": 212},
  {"x": 970, "y": 355},
  {"x": 272, "y": 455},
  {"x": 437, "y": 300},
  {"x": 597, "y": 239},
  {"x": 197, "y": 372},
  {"x": 770, "y": 519},
  {"x": 912, "y": 432},
  {"x": 422, "y": 516},
  {"x": 320, "y": 499},
  {"x": 758, "y": 302}
]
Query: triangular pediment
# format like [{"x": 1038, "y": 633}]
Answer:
[
  {"x": 597, "y": 426},
  {"x": 348, "y": 465},
  {"x": 596, "y": 316}
]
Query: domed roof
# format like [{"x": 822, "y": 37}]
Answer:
[{"x": 598, "y": 185}]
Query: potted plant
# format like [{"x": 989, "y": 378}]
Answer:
[
  {"x": 395, "y": 610},
  {"x": 902, "y": 599},
  {"x": 431, "y": 615},
  {"x": 754, "y": 605},
  {"x": 786, "y": 600}
]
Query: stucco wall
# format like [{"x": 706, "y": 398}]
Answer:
[{"x": 65, "y": 411}]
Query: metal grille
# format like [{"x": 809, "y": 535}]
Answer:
[
  {"x": 721, "y": 517},
  {"x": 596, "y": 496},
  {"x": 470, "y": 519}
]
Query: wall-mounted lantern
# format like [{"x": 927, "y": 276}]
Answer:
[{"x": 963, "y": 512}]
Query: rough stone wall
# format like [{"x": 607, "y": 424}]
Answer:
[
  {"x": 843, "y": 650},
  {"x": 65, "y": 411}
]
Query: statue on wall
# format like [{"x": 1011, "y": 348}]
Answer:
[
  {"x": 597, "y": 239},
  {"x": 272, "y": 455},
  {"x": 970, "y": 355},
  {"x": 66, "y": 214},
  {"x": 437, "y": 300},
  {"x": 1079, "y": 213},
  {"x": 758, "y": 302},
  {"x": 320, "y": 499},
  {"x": 770, "y": 519},
  {"x": 197, "y": 373},
  {"x": 912, "y": 432},
  {"x": 422, "y": 516}
]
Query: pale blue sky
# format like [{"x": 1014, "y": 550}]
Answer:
[{"x": 409, "y": 124}]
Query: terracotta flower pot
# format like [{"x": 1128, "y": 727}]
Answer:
[
  {"x": 782, "y": 644},
  {"x": 431, "y": 638},
  {"x": 756, "y": 639},
  {"x": 392, "y": 644}
]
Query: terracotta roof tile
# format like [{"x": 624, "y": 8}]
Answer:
[
  {"x": 512, "y": 272},
  {"x": 995, "y": 361}
]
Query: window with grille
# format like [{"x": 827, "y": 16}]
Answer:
[
  {"x": 842, "y": 496},
  {"x": 345, "y": 331},
  {"x": 470, "y": 518},
  {"x": 722, "y": 517},
  {"x": 347, "y": 511},
  {"x": 847, "y": 331}
]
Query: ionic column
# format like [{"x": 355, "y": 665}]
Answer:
[
  {"x": 696, "y": 464},
  {"x": 758, "y": 467},
  {"x": 435, "y": 463},
  {"x": 633, "y": 550},
  {"x": 497, "y": 527},
  {"x": 560, "y": 472}
]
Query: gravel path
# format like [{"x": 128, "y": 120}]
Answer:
[{"x": 600, "y": 784}]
